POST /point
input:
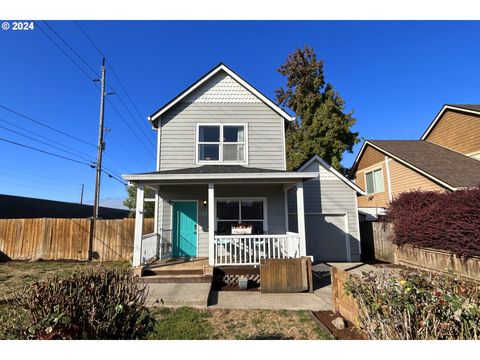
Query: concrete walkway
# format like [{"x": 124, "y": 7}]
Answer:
[
  {"x": 257, "y": 300},
  {"x": 199, "y": 294}
]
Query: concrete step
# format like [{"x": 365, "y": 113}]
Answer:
[
  {"x": 168, "y": 272},
  {"x": 178, "y": 278}
]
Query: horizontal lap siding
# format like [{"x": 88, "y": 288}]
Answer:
[
  {"x": 405, "y": 179},
  {"x": 265, "y": 133},
  {"x": 457, "y": 131},
  {"x": 325, "y": 195},
  {"x": 372, "y": 159}
]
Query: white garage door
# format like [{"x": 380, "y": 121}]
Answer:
[{"x": 326, "y": 237}]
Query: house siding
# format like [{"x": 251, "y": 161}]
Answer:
[
  {"x": 273, "y": 193},
  {"x": 179, "y": 126},
  {"x": 324, "y": 197},
  {"x": 457, "y": 131},
  {"x": 402, "y": 179}
]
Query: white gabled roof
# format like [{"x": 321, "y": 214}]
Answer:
[
  {"x": 333, "y": 171},
  {"x": 208, "y": 76}
]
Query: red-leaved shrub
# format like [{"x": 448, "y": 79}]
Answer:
[{"x": 438, "y": 220}]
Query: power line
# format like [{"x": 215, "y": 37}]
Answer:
[
  {"x": 57, "y": 155},
  {"x": 47, "y": 126},
  {"x": 64, "y": 52},
  {"x": 37, "y": 175},
  {"x": 36, "y": 180},
  {"x": 109, "y": 64},
  {"x": 129, "y": 127},
  {"x": 43, "y": 151},
  {"x": 71, "y": 48},
  {"x": 39, "y": 187},
  {"x": 41, "y": 142}
]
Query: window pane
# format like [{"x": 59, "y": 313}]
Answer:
[
  {"x": 227, "y": 210},
  {"x": 257, "y": 226},
  {"x": 233, "y": 152},
  {"x": 208, "y": 152},
  {"x": 252, "y": 210},
  {"x": 209, "y": 134},
  {"x": 233, "y": 133},
  {"x": 225, "y": 227},
  {"x": 378, "y": 181},
  {"x": 370, "y": 188}
]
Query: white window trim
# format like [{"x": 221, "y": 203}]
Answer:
[
  {"x": 265, "y": 211},
  {"x": 365, "y": 179},
  {"x": 220, "y": 144}
]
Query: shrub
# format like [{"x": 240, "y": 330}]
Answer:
[
  {"x": 95, "y": 303},
  {"x": 443, "y": 221},
  {"x": 399, "y": 305}
]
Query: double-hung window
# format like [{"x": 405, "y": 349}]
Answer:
[
  {"x": 374, "y": 181},
  {"x": 245, "y": 211},
  {"x": 223, "y": 143}
]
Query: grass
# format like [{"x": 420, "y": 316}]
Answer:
[
  {"x": 218, "y": 324},
  {"x": 173, "y": 324}
]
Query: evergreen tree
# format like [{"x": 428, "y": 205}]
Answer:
[{"x": 322, "y": 126}]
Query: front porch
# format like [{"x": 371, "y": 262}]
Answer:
[{"x": 233, "y": 221}]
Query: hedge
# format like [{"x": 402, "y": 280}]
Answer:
[{"x": 440, "y": 220}]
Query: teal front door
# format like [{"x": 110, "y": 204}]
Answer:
[{"x": 184, "y": 228}]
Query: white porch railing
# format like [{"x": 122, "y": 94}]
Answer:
[
  {"x": 250, "y": 249},
  {"x": 149, "y": 247}
]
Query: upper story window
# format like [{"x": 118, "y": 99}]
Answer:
[
  {"x": 374, "y": 181},
  {"x": 222, "y": 143}
]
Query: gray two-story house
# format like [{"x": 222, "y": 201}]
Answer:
[{"x": 221, "y": 187}]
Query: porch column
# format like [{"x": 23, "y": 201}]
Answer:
[
  {"x": 211, "y": 224},
  {"x": 301, "y": 218},
  {"x": 137, "y": 241}
]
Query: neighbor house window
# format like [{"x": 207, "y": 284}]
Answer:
[
  {"x": 374, "y": 181},
  {"x": 221, "y": 143},
  {"x": 248, "y": 213}
]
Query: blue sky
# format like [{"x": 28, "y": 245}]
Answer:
[{"x": 394, "y": 75}]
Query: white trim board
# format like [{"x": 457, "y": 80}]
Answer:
[
  {"x": 335, "y": 172},
  {"x": 223, "y": 176},
  {"x": 205, "y": 78}
]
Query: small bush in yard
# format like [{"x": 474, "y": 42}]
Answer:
[
  {"x": 416, "y": 305},
  {"x": 96, "y": 303},
  {"x": 438, "y": 220}
]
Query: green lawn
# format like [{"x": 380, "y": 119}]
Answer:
[
  {"x": 180, "y": 323},
  {"x": 223, "y": 324}
]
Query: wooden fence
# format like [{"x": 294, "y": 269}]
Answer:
[
  {"x": 286, "y": 275},
  {"x": 382, "y": 241},
  {"x": 67, "y": 239},
  {"x": 429, "y": 259}
]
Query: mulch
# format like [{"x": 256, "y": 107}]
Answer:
[{"x": 324, "y": 319}]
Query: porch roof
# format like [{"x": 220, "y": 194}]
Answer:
[{"x": 219, "y": 172}]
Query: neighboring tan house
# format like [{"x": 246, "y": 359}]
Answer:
[
  {"x": 444, "y": 159},
  {"x": 222, "y": 188}
]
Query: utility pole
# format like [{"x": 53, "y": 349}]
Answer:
[
  {"x": 100, "y": 148},
  {"x": 81, "y": 194}
]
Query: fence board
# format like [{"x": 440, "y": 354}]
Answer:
[
  {"x": 67, "y": 239},
  {"x": 382, "y": 239},
  {"x": 285, "y": 275}
]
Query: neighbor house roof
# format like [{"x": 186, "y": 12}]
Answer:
[
  {"x": 209, "y": 75},
  {"x": 444, "y": 166},
  {"x": 233, "y": 172},
  {"x": 467, "y": 108}
]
